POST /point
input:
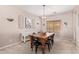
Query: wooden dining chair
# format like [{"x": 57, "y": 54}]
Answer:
[
  {"x": 52, "y": 39},
  {"x": 48, "y": 43},
  {"x": 35, "y": 43}
]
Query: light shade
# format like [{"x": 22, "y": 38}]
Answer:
[{"x": 43, "y": 17}]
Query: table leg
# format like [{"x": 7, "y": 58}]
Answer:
[{"x": 43, "y": 49}]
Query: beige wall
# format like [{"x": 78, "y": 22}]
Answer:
[
  {"x": 76, "y": 24},
  {"x": 66, "y": 30},
  {"x": 9, "y": 31}
]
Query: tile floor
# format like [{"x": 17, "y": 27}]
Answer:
[{"x": 61, "y": 46}]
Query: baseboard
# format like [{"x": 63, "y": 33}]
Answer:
[{"x": 10, "y": 45}]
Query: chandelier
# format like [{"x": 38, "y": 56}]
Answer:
[{"x": 43, "y": 16}]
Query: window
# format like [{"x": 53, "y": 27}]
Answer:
[{"x": 53, "y": 26}]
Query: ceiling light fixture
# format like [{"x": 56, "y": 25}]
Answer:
[{"x": 44, "y": 17}]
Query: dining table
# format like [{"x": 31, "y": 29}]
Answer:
[{"x": 43, "y": 38}]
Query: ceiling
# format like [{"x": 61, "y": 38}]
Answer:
[{"x": 49, "y": 9}]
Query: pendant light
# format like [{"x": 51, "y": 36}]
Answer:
[{"x": 43, "y": 17}]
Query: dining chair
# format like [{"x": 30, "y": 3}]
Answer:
[
  {"x": 48, "y": 43},
  {"x": 52, "y": 39},
  {"x": 35, "y": 43}
]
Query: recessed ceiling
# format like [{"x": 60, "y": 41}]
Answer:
[{"x": 49, "y": 9}]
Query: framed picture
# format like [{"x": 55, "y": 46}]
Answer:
[
  {"x": 24, "y": 22},
  {"x": 28, "y": 23}
]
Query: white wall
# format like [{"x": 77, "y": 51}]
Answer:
[
  {"x": 9, "y": 31},
  {"x": 76, "y": 24},
  {"x": 66, "y": 31}
]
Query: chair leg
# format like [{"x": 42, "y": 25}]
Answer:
[
  {"x": 32, "y": 46},
  {"x": 52, "y": 42},
  {"x": 36, "y": 47},
  {"x": 49, "y": 47}
]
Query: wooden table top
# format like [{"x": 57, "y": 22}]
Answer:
[
  {"x": 41, "y": 35},
  {"x": 43, "y": 38}
]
